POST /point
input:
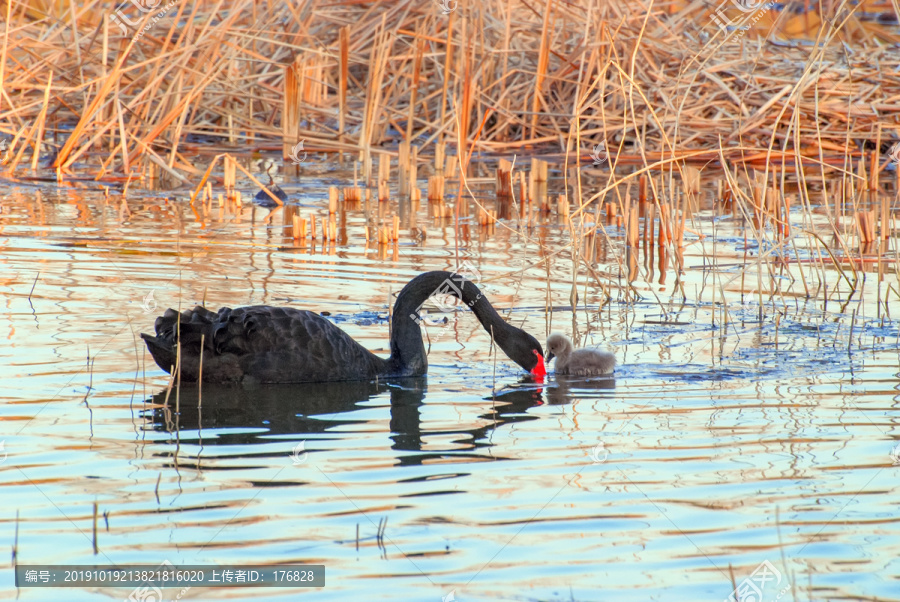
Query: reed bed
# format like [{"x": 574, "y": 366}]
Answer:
[
  {"x": 493, "y": 76},
  {"x": 624, "y": 112}
]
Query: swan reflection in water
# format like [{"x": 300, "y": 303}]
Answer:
[
  {"x": 313, "y": 411},
  {"x": 322, "y": 411}
]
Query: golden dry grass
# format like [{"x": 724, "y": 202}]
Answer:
[
  {"x": 490, "y": 76},
  {"x": 782, "y": 95}
]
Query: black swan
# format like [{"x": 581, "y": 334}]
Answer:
[
  {"x": 578, "y": 362},
  {"x": 284, "y": 345}
]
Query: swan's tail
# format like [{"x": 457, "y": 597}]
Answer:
[{"x": 607, "y": 361}]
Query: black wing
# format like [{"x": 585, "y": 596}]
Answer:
[{"x": 264, "y": 343}]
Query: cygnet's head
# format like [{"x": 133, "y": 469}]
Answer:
[{"x": 558, "y": 344}]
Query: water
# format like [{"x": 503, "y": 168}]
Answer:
[{"x": 704, "y": 458}]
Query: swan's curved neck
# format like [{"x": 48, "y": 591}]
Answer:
[{"x": 407, "y": 349}]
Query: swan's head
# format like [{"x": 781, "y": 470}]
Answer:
[
  {"x": 526, "y": 351},
  {"x": 523, "y": 349},
  {"x": 557, "y": 344}
]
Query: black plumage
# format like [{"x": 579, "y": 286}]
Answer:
[{"x": 284, "y": 345}]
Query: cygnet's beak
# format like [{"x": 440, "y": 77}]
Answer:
[{"x": 549, "y": 357}]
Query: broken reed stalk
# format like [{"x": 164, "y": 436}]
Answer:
[
  {"x": 332, "y": 232},
  {"x": 865, "y": 221},
  {"x": 344, "y": 67},
  {"x": 413, "y": 173},
  {"x": 436, "y": 188},
  {"x": 403, "y": 168},
  {"x": 503, "y": 188},
  {"x": 200, "y": 377},
  {"x": 632, "y": 228},
  {"x": 487, "y": 217},
  {"x": 384, "y": 169},
  {"x": 229, "y": 174}
]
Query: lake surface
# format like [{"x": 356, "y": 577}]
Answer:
[{"x": 723, "y": 446}]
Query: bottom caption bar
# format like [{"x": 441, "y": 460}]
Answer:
[{"x": 169, "y": 575}]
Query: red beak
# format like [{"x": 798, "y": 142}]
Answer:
[{"x": 539, "y": 370}]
